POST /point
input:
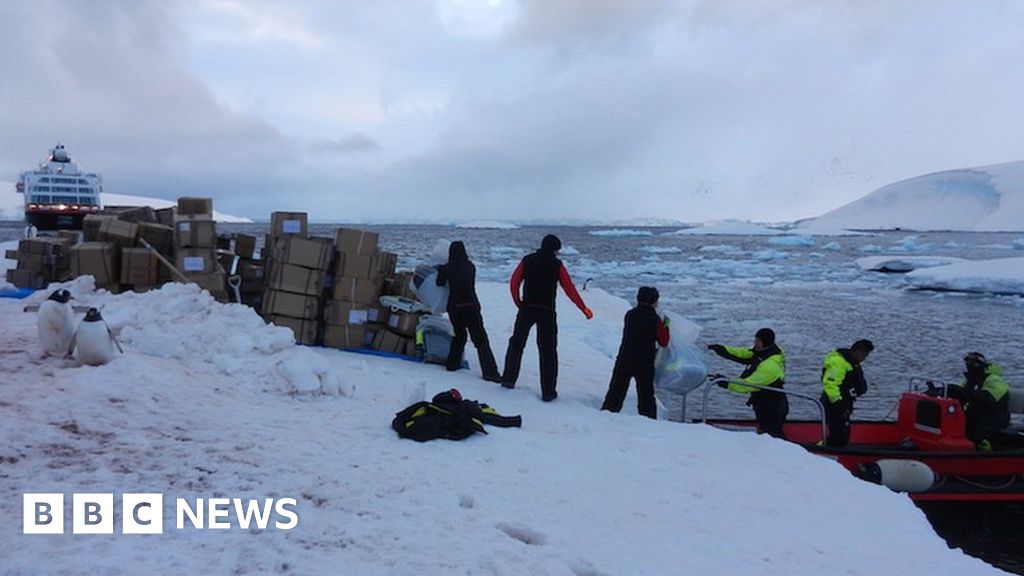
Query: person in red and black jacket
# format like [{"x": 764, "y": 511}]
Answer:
[
  {"x": 539, "y": 274},
  {"x": 464, "y": 311},
  {"x": 643, "y": 329}
]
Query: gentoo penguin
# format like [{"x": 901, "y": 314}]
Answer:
[
  {"x": 93, "y": 341},
  {"x": 56, "y": 323}
]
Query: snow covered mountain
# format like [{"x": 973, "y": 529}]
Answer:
[{"x": 985, "y": 199}]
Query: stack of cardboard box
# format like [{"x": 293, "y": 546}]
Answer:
[
  {"x": 40, "y": 261},
  {"x": 295, "y": 276},
  {"x": 195, "y": 238},
  {"x": 356, "y": 289}
]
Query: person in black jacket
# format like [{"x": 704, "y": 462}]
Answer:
[
  {"x": 540, "y": 274},
  {"x": 643, "y": 329},
  {"x": 464, "y": 311}
]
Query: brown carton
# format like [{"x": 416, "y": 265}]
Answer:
[
  {"x": 137, "y": 214},
  {"x": 214, "y": 283},
  {"x": 305, "y": 330},
  {"x": 11, "y": 254},
  {"x": 399, "y": 285},
  {"x": 296, "y": 279},
  {"x": 386, "y": 263},
  {"x": 190, "y": 206},
  {"x": 99, "y": 259},
  {"x": 276, "y": 302},
  {"x": 351, "y": 241},
  {"x": 196, "y": 260},
  {"x": 195, "y": 232},
  {"x": 26, "y": 279},
  {"x": 123, "y": 233},
  {"x": 378, "y": 314},
  {"x": 245, "y": 246},
  {"x": 251, "y": 275},
  {"x": 358, "y": 266},
  {"x": 166, "y": 216},
  {"x": 91, "y": 226},
  {"x": 73, "y": 236},
  {"x": 355, "y": 290},
  {"x": 386, "y": 341},
  {"x": 342, "y": 337},
  {"x": 139, "y": 267},
  {"x": 288, "y": 223},
  {"x": 404, "y": 323},
  {"x": 306, "y": 252},
  {"x": 159, "y": 236},
  {"x": 39, "y": 246},
  {"x": 340, "y": 313}
]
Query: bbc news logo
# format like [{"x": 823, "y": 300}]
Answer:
[{"x": 93, "y": 513}]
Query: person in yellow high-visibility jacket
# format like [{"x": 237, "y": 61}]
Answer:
[
  {"x": 766, "y": 366},
  {"x": 842, "y": 382}
]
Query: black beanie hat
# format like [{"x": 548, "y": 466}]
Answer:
[
  {"x": 551, "y": 243},
  {"x": 647, "y": 295},
  {"x": 766, "y": 336}
]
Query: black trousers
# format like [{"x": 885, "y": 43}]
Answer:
[
  {"x": 770, "y": 409},
  {"x": 467, "y": 319},
  {"x": 837, "y": 416},
  {"x": 547, "y": 348},
  {"x": 624, "y": 371}
]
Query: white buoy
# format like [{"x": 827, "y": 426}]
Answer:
[
  {"x": 56, "y": 323},
  {"x": 899, "y": 475},
  {"x": 94, "y": 343}
]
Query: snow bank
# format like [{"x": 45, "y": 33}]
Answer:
[
  {"x": 488, "y": 224},
  {"x": 729, "y": 228},
  {"x": 998, "y": 276},
  {"x": 620, "y": 232}
]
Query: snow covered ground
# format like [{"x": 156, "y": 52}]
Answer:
[
  {"x": 998, "y": 276},
  {"x": 207, "y": 401}
]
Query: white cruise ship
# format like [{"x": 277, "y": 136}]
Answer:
[{"x": 58, "y": 195}]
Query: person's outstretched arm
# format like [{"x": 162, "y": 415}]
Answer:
[{"x": 570, "y": 291}]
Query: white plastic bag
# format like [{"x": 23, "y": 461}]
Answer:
[{"x": 679, "y": 368}]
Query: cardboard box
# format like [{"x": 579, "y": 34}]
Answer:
[
  {"x": 313, "y": 253},
  {"x": 215, "y": 283},
  {"x": 342, "y": 337},
  {"x": 276, "y": 302},
  {"x": 26, "y": 279},
  {"x": 72, "y": 236},
  {"x": 166, "y": 216},
  {"x": 253, "y": 300},
  {"x": 399, "y": 285},
  {"x": 91, "y": 226},
  {"x": 139, "y": 267},
  {"x": 305, "y": 330},
  {"x": 338, "y": 313},
  {"x": 195, "y": 232},
  {"x": 245, "y": 246},
  {"x": 251, "y": 274},
  {"x": 99, "y": 259},
  {"x": 296, "y": 279},
  {"x": 137, "y": 214},
  {"x": 125, "y": 234},
  {"x": 404, "y": 323},
  {"x": 387, "y": 341},
  {"x": 196, "y": 260},
  {"x": 351, "y": 241},
  {"x": 191, "y": 206},
  {"x": 39, "y": 246},
  {"x": 11, "y": 254},
  {"x": 410, "y": 348},
  {"x": 159, "y": 236},
  {"x": 289, "y": 224},
  {"x": 355, "y": 290},
  {"x": 387, "y": 262},
  {"x": 358, "y": 266}
]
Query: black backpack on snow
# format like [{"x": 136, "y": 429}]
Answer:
[{"x": 426, "y": 421}]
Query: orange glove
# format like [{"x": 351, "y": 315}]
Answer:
[{"x": 588, "y": 313}]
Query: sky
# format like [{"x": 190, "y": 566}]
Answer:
[{"x": 531, "y": 110}]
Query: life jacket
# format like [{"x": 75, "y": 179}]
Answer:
[
  {"x": 540, "y": 279},
  {"x": 426, "y": 421}
]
